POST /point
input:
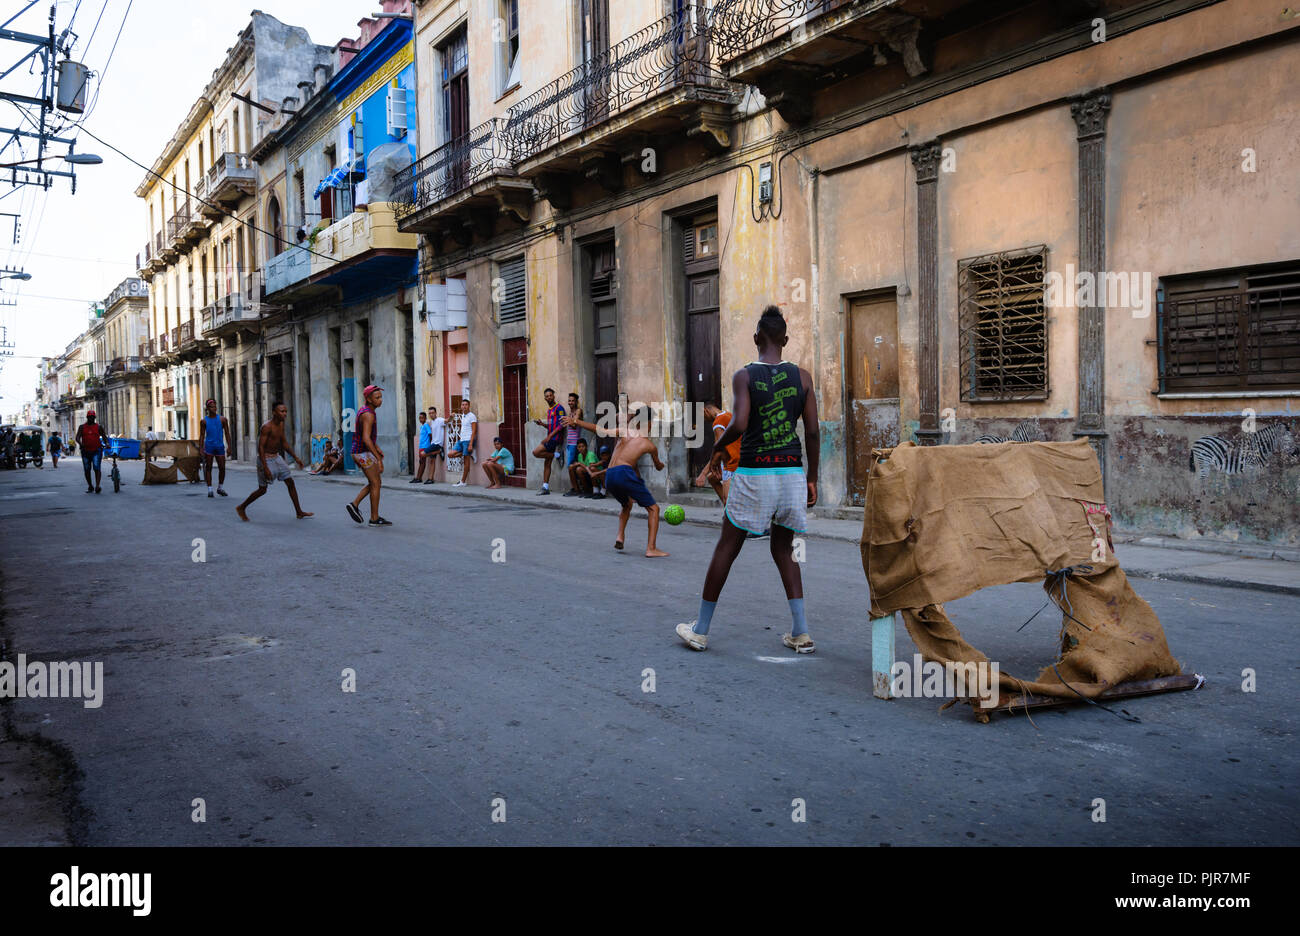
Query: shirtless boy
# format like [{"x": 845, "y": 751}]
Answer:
[
  {"x": 271, "y": 466},
  {"x": 622, "y": 479}
]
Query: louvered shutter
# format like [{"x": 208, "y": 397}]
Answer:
[{"x": 514, "y": 305}]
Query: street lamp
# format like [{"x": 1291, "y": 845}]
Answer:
[
  {"x": 15, "y": 274},
  {"x": 77, "y": 159}
]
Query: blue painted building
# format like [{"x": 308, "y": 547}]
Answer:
[{"x": 343, "y": 284}]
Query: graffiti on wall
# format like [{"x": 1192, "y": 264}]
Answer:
[{"x": 1249, "y": 455}]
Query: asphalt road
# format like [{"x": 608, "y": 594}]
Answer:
[{"x": 522, "y": 681}]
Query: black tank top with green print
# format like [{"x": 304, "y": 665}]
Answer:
[{"x": 776, "y": 396}]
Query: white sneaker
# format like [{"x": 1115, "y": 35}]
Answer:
[
  {"x": 459, "y": 484},
  {"x": 690, "y": 638}
]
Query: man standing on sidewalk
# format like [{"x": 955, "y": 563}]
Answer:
[
  {"x": 554, "y": 426},
  {"x": 438, "y": 433},
  {"x": 91, "y": 438},
  {"x": 468, "y": 436},
  {"x": 426, "y": 443},
  {"x": 769, "y": 487}
]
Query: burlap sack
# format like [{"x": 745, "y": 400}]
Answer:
[{"x": 944, "y": 521}]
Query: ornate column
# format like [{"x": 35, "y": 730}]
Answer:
[
  {"x": 1089, "y": 114},
  {"x": 925, "y": 160}
]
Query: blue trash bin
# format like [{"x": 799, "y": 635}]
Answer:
[{"x": 124, "y": 448}]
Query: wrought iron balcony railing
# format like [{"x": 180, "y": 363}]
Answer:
[
  {"x": 452, "y": 167},
  {"x": 670, "y": 53},
  {"x": 737, "y": 26}
]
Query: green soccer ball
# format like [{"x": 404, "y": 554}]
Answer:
[{"x": 674, "y": 514}]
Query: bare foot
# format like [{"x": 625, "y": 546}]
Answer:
[
  {"x": 618, "y": 544},
  {"x": 304, "y": 513},
  {"x": 655, "y": 553},
  {"x": 242, "y": 516}
]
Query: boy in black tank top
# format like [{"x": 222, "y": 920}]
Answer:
[{"x": 769, "y": 488}]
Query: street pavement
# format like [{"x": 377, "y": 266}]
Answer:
[{"x": 515, "y": 689}]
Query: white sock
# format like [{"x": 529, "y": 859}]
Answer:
[
  {"x": 209, "y": 489},
  {"x": 545, "y": 486}
]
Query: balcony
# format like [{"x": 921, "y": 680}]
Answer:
[
  {"x": 186, "y": 228},
  {"x": 786, "y": 47},
  {"x": 115, "y": 367},
  {"x": 156, "y": 263},
  {"x": 166, "y": 242},
  {"x": 648, "y": 86},
  {"x": 144, "y": 260},
  {"x": 229, "y": 179},
  {"x": 464, "y": 184},
  {"x": 168, "y": 396},
  {"x": 148, "y": 356},
  {"x": 287, "y": 275},
  {"x": 237, "y": 311},
  {"x": 363, "y": 251}
]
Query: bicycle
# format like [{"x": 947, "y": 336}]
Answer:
[{"x": 115, "y": 474}]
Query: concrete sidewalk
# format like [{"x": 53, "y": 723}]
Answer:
[{"x": 1229, "y": 565}]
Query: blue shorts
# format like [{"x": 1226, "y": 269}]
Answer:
[
  {"x": 573, "y": 453},
  {"x": 90, "y": 462},
  {"x": 217, "y": 450},
  {"x": 624, "y": 483},
  {"x": 551, "y": 445},
  {"x": 460, "y": 448}
]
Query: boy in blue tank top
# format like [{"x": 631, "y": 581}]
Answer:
[
  {"x": 769, "y": 487},
  {"x": 214, "y": 433}
]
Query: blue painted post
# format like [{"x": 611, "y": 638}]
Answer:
[{"x": 882, "y": 656}]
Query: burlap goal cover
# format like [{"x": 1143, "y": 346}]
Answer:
[
  {"x": 185, "y": 455},
  {"x": 944, "y": 521}
]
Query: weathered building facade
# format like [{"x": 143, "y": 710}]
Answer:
[
  {"x": 127, "y": 394},
  {"x": 342, "y": 286},
  {"x": 205, "y": 215},
  {"x": 1028, "y": 220}
]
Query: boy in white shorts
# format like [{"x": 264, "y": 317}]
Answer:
[{"x": 769, "y": 488}]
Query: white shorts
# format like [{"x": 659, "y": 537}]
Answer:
[{"x": 760, "y": 497}]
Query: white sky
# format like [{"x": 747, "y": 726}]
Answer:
[{"x": 80, "y": 246}]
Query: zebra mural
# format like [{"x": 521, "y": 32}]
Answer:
[
  {"x": 1027, "y": 431},
  {"x": 1245, "y": 456}
]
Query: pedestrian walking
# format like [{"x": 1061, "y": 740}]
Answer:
[
  {"x": 368, "y": 456},
  {"x": 92, "y": 438},
  {"x": 622, "y": 478},
  {"x": 554, "y": 426},
  {"x": 214, "y": 435},
  {"x": 55, "y": 445},
  {"x": 272, "y": 446},
  {"x": 769, "y": 487}
]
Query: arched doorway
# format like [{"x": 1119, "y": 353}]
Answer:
[{"x": 275, "y": 226}]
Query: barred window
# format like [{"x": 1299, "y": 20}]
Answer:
[
  {"x": 1237, "y": 330},
  {"x": 1002, "y": 320},
  {"x": 514, "y": 306}
]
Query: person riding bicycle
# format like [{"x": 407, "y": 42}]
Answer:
[{"x": 93, "y": 439}]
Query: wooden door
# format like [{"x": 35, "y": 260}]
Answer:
[
  {"x": 703, "y": 360},
  {"x": 514, "y": 391},
  {"x": 872, "y": 391}
]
